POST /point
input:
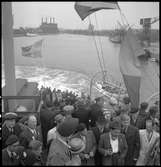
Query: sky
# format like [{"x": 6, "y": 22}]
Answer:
[{"x": 29, "y": 14}]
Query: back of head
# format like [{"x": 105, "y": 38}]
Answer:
[{"x": 144, "y": 106}]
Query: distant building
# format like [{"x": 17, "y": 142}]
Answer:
[{"x": 49, "y": 28}]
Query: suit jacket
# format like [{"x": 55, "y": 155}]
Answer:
[
  {"x": 133, "y": 142},
  {"x": 104, "y": 144},
  {"x": 90, "y": 146},
  {"x": 26, "y": 136},
  {"x": 140, "y": 121},
  {"x": 145, "y": 146},
  {"x": 6, "y": 133}
]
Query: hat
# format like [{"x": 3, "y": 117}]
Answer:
[
  {"x": 59, "y": 117},
  {"x": 144, "y": 105},
  {"x": 68, "y": 108},
  {"x": 68, "y": 127},
  {"x": 126, "y": 100},
  {"x": 153, "y": 109},
  {"x": 134, "y": 110},
  {"x": 124, "y": 118},
  {"x": 101, "y": 120},
  {"x": 11, "y": 140},
  {"x": 10, "y": 116},
  {"x": 115, "y": 125},
  {"x": 77, "y": 145}
]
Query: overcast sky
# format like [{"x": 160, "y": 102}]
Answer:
[{"x": 29, "y": 14}]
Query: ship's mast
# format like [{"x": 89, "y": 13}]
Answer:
[{"x": 8, "y": 52}]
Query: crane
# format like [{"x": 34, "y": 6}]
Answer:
[{"x": 146, "y": 23}]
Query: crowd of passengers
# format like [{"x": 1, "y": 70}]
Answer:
[{"x": 71, "y": 130}]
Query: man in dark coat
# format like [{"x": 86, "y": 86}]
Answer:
[
  {"x": 9, "y": 127},
  {"x": 82, "y": 113},
  {"x": 96, "y": 111},
  {"x": 133, "y": 140},
  {"x": 32, "y": 132},
  {"x": 98, "y": 131},
  {"x": 137, "y": 119},
  {"x": 113, "y": 146},
  {"x": 11, "y": 154}
]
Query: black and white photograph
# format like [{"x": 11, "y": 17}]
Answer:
[{"x": 80, "y": 83}]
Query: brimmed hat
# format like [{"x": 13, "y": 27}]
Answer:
[
  {"x": 59, "y": 118},
  {"x": 77, "y": 145},
  {"x": 124, "y": 118},
  {"x": 68, "y": 108},
  {"x": 134, "y": 110},
  {"x": 144, "y": 105},
  {"x": 115, "y": 125},
  {"x": 11, "y": 140},
  {"x": 10, "y": 116},
  {"x": 68, "y": 127},
  {"x": 101, "y": 120}
]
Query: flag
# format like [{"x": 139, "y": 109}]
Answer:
[
  {"x": 33, "y": 50},
  {"x": 86, "y": 8},
  {"x": 129, "y": 66}
]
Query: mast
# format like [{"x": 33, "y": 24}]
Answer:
[{"x": 8, "y": 53}]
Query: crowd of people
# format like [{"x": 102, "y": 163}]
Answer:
[{"x": 74, "y": 130}]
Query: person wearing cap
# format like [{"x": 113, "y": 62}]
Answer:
[
  {"x": 98, "y": 130},
  {"x": 9, "y": 155},
  {"x": 136, "y": 119},
  {"x": 52, "y": 132},
  {"x": 87, "y": 156},
  {"x": 96, "y": 111},
  {"x": 148, "y": 138},
  {"x": 59, "y": 149},
  {"x": 68, "y": 110},
  {"x": 126, "y": 105},
  {"x": 113, "y": 146},
  {"x": 32, "y": 132},
  {"x": 8, "y": 127},
  {"x": 133, "y": 140}
]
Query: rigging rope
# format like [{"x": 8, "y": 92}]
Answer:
[
  {"x": 96, "y": 48},
  {"x": 100, "y": 42}
]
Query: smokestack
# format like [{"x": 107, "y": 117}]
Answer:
[
  {"x": 42, "y": 20},
  {"x": 46, "y": 19},
  {"x": 53, "y": 20},
  {"x": 50, "y": 20}
]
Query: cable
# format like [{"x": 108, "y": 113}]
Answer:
[{"x": 96, "y": 47}]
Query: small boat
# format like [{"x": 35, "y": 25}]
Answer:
[
  {"x": 31, "y": 35},
  {"x": 115, "y": 39}
]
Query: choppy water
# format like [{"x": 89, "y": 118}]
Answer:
[{"x": 58, "y": 47}]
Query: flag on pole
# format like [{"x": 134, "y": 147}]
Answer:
[
  {"x": 33, "y": 50},
  {"x": 86, "y": 8},
  {"x": 129, "y": 66}
]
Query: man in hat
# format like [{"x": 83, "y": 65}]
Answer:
[
  {"x": 9, "y": 154},
  {"x": 87, "y": 156},
  {"x": 96, "y": 111},
  {"x": 59, "y": 149},
  {"x": 8, "y": 127},
  {"x": 133, "y": 140},
  {"x": 98, "y": 130},
  {"x": 126, "y": 105},
  {"x": 137, "y": 119},
  {"x": 32, "y": 132},
  {"x": 113, "y": 146}
]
